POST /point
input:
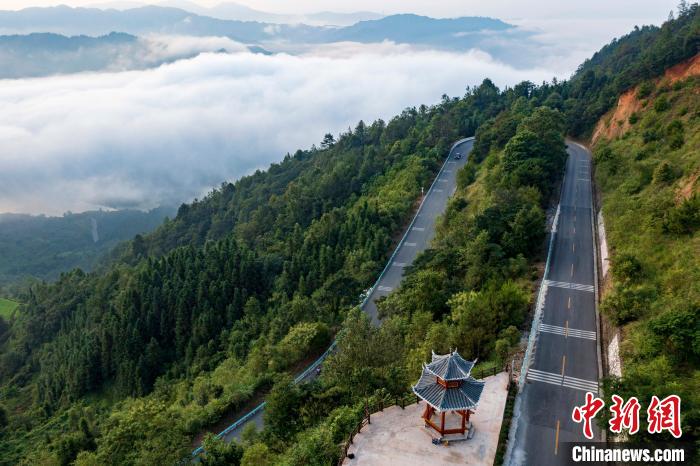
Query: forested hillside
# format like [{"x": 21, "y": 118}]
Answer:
[
  {"x": 127, "y": 365},
  {"x": 238, "y": 287},
  {"x": 647, "y": 157}
]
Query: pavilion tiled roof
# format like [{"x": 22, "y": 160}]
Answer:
[
  {"x": 455, "y": 396},
  {"x": 450, "y": 366}
]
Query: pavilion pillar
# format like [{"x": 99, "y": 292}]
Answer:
[
  {"x": 464, "y": 420},
  {"x": 442, "y": 423},
  {"x": 427, "y": 412}
]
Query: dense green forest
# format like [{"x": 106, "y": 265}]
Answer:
[
  {"x": 128, "y": 364},
  {"x": 40, "y": 247}
]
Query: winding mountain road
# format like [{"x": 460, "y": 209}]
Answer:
[
  {"x": 416, "y": 239},
  {"x": 562, "y": 362}
]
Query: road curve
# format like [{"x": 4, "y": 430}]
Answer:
[
  {"x": 562, "y": 363},
  {"x": 416, "y": 239}
]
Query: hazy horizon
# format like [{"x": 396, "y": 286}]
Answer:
[{"x": 651, "y": 10}]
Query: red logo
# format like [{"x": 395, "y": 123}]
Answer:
[
  {"x": 665, "y": 415},
  {"x": 624, "y": 416},
  {"x": 661, "y": 414},
  {"x": 587, "y": 412}
]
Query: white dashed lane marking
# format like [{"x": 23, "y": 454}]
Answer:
[
  {"x": 564, "y": 381},
  {"x": 568, "y": 332},
  {"x": 571, "y": 286}
]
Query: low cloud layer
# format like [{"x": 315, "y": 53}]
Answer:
[
  {"x": 167, "y": 135},
  {"x": 39, "y": 55}
]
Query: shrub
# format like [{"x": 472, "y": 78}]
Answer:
[
  {"x": 466, "y": 175},
  {"x": 678, "y": 332},
  {"x": 663, "y": 173},
  {"x": 645, "y": 89},
  {"x": 684, "y": 218},
  {"x": 662, "y": 104},
  {"x": 628, "y": 303},
  {"x": 220, "y": 453},
  {"x": 603, "y": 154},
  {"x": 303, "y": 339},
  {"x": 257, "y": 454},
  {"x": 674, "y": 134},
  {"x": 313, "y": 447},
  {"x": 626, "y": 268},
  {"x": 650, "y": 135}
]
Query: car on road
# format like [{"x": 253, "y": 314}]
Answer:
[{"x": 458, "y": 156}]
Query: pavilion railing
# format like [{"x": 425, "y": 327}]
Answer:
[
  {"x": 383, "y": 401},
  {"x": 481, "y": 373},
  {"x": 378, "y": 404}
]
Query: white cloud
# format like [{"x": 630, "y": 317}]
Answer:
[{"x": 140, "y": 138}]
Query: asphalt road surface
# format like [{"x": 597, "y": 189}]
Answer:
[
  {"x": 564, "y": 365},
  {"x": 422, "y": 230},
  {"x": 416, "y": 239}
]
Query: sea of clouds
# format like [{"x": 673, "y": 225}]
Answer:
[{"x": 169, "y": 134}]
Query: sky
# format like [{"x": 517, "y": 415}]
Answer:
[{"x": 652, "y": 10}]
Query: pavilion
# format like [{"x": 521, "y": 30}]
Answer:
[{"x": 447, "y": 386}]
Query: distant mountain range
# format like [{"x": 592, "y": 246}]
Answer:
[
  {"x": 504, "y": 41},
  {"x": 44, "y": 54},
  {"x": 458, "y": 33},
  {"x": 236, "y": 11}
]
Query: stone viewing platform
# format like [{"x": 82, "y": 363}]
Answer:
[{"x": 400, "y": 436}]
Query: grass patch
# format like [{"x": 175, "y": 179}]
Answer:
[{"x": 7, "y": 307}]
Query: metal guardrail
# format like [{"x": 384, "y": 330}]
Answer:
[
  {"x": 333, "y": 345},
  {"x": 316, "y": 363}
]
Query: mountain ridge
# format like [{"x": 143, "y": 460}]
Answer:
[{"x": 166, "y": 20}]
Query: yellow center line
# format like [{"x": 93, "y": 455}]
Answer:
[
  {"x": 563, "y": 365},
  {"x": 573, "y": 247},
  {"x": 566, "y": 333},
  {"x": 569, "y": 304},
  {"x": 572, "y": 270},
  {"x": 556, "y": 439}
]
